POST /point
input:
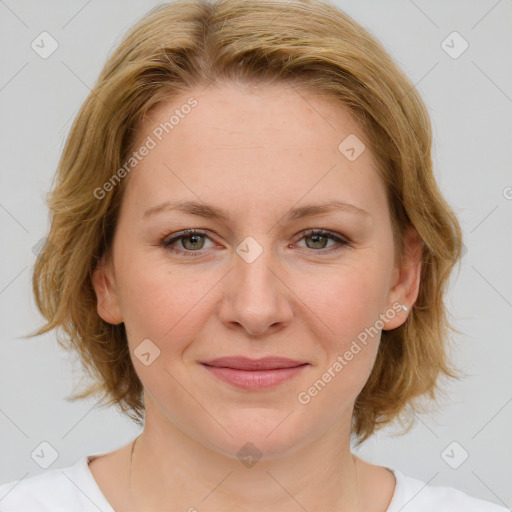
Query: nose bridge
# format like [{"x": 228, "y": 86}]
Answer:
[
  {"x": 256, "y": 266},
  {"x": 257, "y": 298}
]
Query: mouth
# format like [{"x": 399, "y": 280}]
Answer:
[
  {"x": 246, "y": 363},
  {"x": 254, "y": 374}
]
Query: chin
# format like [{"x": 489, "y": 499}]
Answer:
[{"x": 255, "y": 436}]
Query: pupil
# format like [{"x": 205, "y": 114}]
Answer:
[
  {"x": 194, "y": 239},
  {"x": 317, "y": 238}
]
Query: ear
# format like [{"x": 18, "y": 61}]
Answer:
[
  {"x": 103, "y": 281},
  {"x": 406, "y": 280}
]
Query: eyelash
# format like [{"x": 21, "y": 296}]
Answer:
[{"x": 166, "y": 242}]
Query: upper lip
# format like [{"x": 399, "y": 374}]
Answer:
[{"x": 246, "y": 363}]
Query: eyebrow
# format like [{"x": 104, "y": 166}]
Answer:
[{"x": 213, "y": 212}]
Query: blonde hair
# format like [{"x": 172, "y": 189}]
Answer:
[{"x": 306, "y": 43}]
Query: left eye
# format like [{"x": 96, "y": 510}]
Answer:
[
  {"x": 192, "y": 241},
  {"x": 319, "y": 237}
]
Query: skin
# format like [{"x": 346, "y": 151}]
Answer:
[{"x": 256, "y": 152}]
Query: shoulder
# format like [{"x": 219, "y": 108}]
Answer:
[
  {"x": 415, "y": 495},
  {"x": 58, "y": 490}
]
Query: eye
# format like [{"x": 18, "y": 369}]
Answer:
[
  {"x": 320, "y": 237},
  {"x": 192, "y": 241}
]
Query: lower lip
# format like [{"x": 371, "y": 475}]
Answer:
[{"x": 254, "y": 380}]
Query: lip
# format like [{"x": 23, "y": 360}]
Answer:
[
  {"x": 247, "y": 363},
  {"x": 254, "y": 374}
]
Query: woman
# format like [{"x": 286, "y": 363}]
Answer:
[{"x": 249, "y": 251}]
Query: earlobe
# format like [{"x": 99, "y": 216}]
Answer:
[
  {"x": 406, "y": 279},
  {"x": 108, "y": 305}
]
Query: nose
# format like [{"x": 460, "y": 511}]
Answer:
[{"x": 257, "y": 297}]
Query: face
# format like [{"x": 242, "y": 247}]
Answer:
[{"x": 255, "y": 282}]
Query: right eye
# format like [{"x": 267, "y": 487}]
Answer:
[{"x": 190, "y": 240}]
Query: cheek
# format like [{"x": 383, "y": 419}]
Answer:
[
  {"x": 346, "y": 299},
  {"x": 160, "y": 302},
  {"x": 345, "y": 308}
]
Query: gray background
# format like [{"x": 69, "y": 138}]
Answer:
[{"x": 469, "y": 99}]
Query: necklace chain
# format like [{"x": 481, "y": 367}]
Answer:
[
  {"x": 131, "y": 488},
  {"x": 131, "y": 459}
]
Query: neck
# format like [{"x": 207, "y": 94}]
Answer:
[{"x": 179, "y": 471}]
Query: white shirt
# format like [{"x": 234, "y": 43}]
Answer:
[{"x": 74, "y": 489}]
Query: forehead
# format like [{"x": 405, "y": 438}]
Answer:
[
  {"x": 252, "y": 115},
  {"x": 262, "y": 145}
]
